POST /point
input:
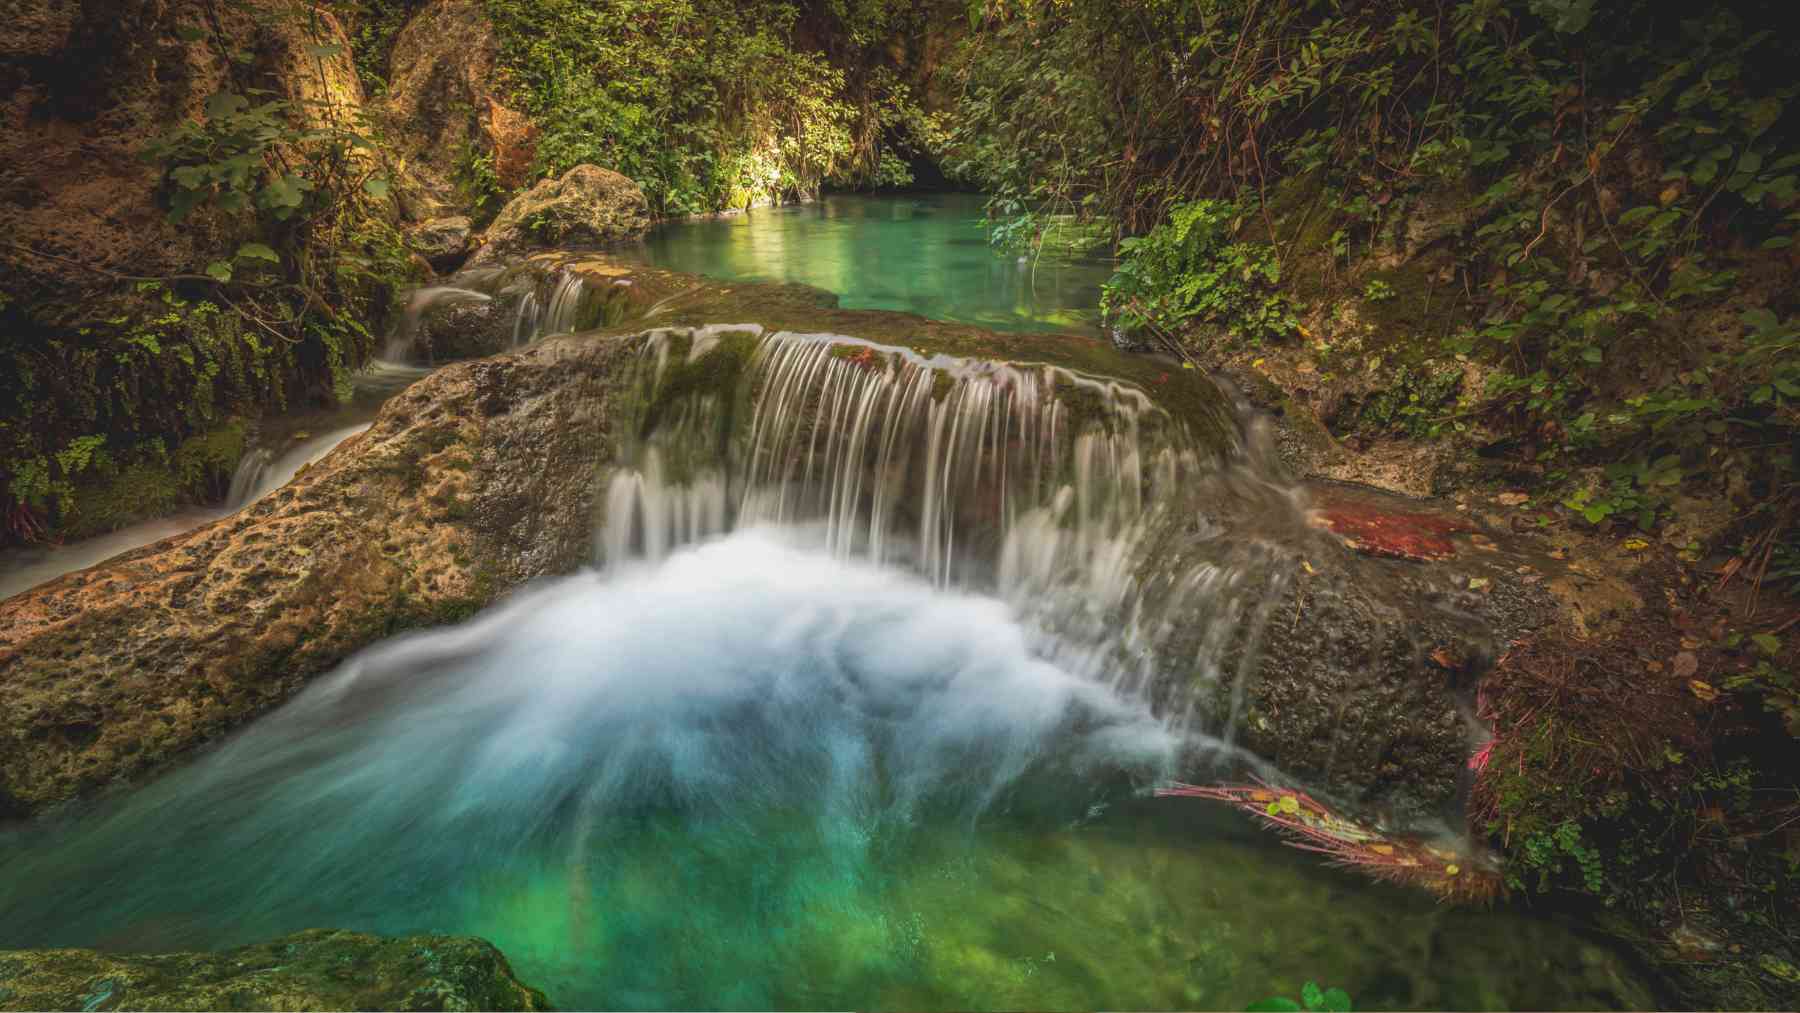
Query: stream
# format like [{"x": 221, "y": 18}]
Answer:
[{"x": 856, "y": 724}]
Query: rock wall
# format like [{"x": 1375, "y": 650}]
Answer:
[{"x": 447, "y": 102}]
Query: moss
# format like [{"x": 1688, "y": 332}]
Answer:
[
  {"x": 149, "y": 486},
  {"x": 1414, "y": 311},
  {"x": 716, "y": 372}
]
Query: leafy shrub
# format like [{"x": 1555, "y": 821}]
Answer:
[{"x": 1189, "y": 270}]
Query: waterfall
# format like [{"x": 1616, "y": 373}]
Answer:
[
  {"x": 1081, "y": 500},
  {"x": 404, "y": 342},
  {"x": 933, "y": 462},
  {"x": 560, "y": 309}
]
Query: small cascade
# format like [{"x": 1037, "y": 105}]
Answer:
[
  {"x": 402, "y": 346},
  {"x": 1132, "y": 540},
  {"x": 935, "y": 462},
  {"x": 248, "y": 478},
  {"x": 262, "y": 471},
  {"x": 554, "y": 307}
]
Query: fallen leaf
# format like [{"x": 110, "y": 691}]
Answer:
[
  {"x": 1703, "y": 690},
  {"x": 1653, "y": 666},
  {"x": 1444, "y": 659},
  {"x": 1636, "y": 545},
  {"x": 1558, "y": 554},
  {"x": 1686, "y": 665},
  {"x": 1513, "y": 498},
  {"x": 1479, "y": 583},
  {"x": 1451, "y": 870}
]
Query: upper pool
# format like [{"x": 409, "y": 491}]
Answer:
[{"x": 924, "y": 253}]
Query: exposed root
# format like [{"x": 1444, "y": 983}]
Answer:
[{"x": 1311, "y": 826}]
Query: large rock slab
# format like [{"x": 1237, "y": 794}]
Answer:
[
  {"x": 470, "y": 482},
  {"x": 319, "y": 969}
]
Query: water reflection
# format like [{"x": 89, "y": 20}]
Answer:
[{"x": 917, "y": 253}]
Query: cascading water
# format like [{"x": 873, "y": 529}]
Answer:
[
  {"x": 750, "y": 776},
  {"x": 261, "y": 470},
  {"x": 856, "y": 714},
  {"x": 1046, "y": 485},
  {"x": 403, "y": 345},
  {"x": 558, "y": 312}
]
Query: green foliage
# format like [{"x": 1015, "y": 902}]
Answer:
[
  {"x": 1189, "y": 270},
  {"x": 706, "y": 105},
  {"x": 1624, "y": 179},
  {"x": 1313, "y": 999},
  {"x": 294, "y": 196}
]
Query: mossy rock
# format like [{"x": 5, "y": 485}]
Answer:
[{"x": 319, "y": 969}]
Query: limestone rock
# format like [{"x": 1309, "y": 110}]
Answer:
[
  {"x": 446, "y": 101},
  {"x": 587, "y": 205},
  {"x": 475, "y": 479},
  {"x": 443, "y": 242},
  {"x": 319, "y": 969},
  {"x": 85, "y": 86}
]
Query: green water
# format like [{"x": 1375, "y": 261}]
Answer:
[
  {"x": 756, "y": 776},
  {"x": 918, "y": 253}
]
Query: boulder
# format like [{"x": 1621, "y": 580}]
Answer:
[
  {"x": 443, "y": 242},
  {"x": 588, "y": 205},
  {"x": 319, "y": 969}
]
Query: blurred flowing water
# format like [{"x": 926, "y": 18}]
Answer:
[
  {"x": 858, "y": 709},
  {"x": 755, "y": 776}
]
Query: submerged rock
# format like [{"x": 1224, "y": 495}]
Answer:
[
  {"x": 587, "y": 205},
  {"x": 319, "y": 969}
]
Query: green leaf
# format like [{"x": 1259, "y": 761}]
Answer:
[
  {"x": 189, "y": 34},
  {"x": 1592, "y": 354},
  {"x": 257, "y": 251},
  {"x": 1769, "y": 642},
  {"x": 1338, "y": 1001},
  {"x": 1760, "y": 319},
  {"x": 326, "y": 50},
  {"x": 1311, "y": 996},
  {"x": 282, "y": 192},
  {"x": 1777, "y": 243},
  {"x": 225, "y": 103},
  {"x": 1275, "y": 1005},
  {"x": 376, "y": 187},
  {"x": 219, "y": 270}
]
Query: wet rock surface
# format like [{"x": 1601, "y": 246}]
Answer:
[{"x": 320, "y": 969}]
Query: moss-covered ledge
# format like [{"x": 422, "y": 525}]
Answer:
[{"x": 319, "y": 969}]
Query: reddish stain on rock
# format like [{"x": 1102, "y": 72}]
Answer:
[{"x": 1376, "y": 529}]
